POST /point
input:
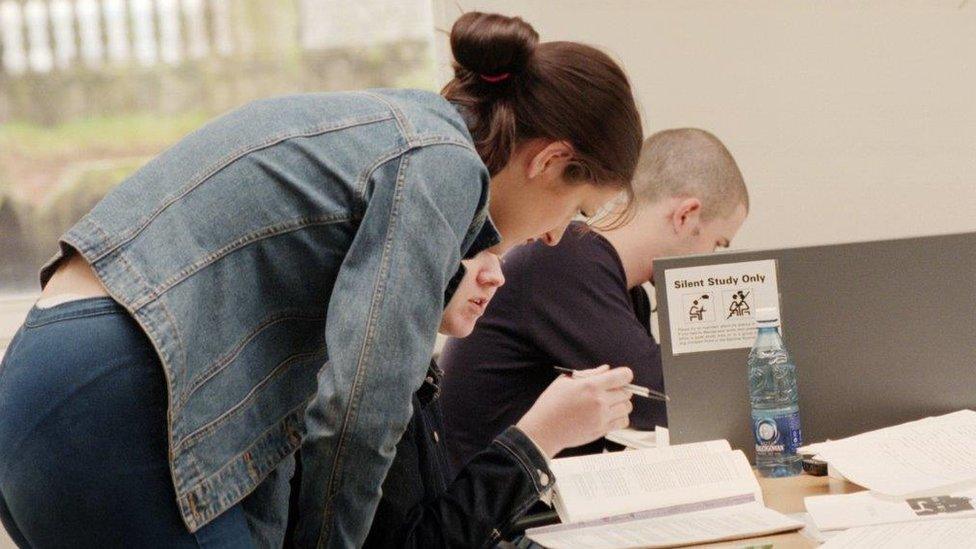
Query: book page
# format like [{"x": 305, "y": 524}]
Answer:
[
  {"x": 667, "y": 529},
  {"x": 911, "y": 535},
  {"x": 579, "y": 464},
  {"x": 961, "y": 417},
  {"x": 841, "y": 511},
  {"x": 919, "y": 461},
  {"x": 628, "y": 482}
]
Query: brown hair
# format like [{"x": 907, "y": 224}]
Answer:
[{"x": 515, "y": 88}]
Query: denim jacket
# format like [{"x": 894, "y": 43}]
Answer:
[
  {"x": 289, "y": 263},
  {"x": 423, "y": 507}
]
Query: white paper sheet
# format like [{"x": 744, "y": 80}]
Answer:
[
  {"x": 836, "y": 512},
  {"x": 961, "y": 417},
  {"x": 632, "y": 438},
  {"x": 810, "y": 529},
  {"x": 935, "y": 534},
  {"x": 669, "y": 530},
  {"x": 911, "y": 462}
]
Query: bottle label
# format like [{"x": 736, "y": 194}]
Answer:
[{"x": 776, "y": 433}]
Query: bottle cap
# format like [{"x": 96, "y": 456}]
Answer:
[{"x": 767, "y": 316}]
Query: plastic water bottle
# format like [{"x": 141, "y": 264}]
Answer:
[{"x": 775, "y": 401}]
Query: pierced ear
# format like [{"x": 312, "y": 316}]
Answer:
[{"x": 554, "y": 155}]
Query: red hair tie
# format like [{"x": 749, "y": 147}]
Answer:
[{"x": 495, "y": 78}]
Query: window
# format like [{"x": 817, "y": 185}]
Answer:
[{"x": 91, "y": 89}]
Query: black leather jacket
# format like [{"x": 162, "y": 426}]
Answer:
[{"x": 423, "y": 507}]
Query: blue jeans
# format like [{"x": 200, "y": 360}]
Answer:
[{"x": 83, "y": 453}]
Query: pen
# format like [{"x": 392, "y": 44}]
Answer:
[{"x": 633, "y": 389}]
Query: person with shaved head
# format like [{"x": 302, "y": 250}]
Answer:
[{"x": 580, "y": 304}]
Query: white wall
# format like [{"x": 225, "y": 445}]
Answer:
[{"x": 850, "y": 121}]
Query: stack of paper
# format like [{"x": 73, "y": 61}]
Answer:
[
  {"x": 929, "y": 456},
  {"x": 839, "y": 512},
  {"x": 658, "y": 497},
  {"x": 916, "y": 471},
  {"x": 920, "y": 425},
  {"x": 939, "y": 534}
]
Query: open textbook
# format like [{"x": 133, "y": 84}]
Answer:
[
  {"x": 931, "y": 456},
  {"x": 658, "y": 497}
]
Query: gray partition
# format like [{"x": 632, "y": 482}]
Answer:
[{"x": 882, "y": 333}]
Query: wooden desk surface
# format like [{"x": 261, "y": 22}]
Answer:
[{"x": 786, "y": 496}]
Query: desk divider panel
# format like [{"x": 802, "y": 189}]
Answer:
[{"x": 882, "y": 333}]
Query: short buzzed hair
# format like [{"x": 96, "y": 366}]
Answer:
[{"x": 689, "y": 162}]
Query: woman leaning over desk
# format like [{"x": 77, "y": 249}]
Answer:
[{"x": 275, "y": 281}]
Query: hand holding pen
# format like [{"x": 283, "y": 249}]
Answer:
[
  {"x": 576, "y": 410},
  {"x": 631, "y": 388}
]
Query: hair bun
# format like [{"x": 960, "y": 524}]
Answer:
[{"x": 492, "y": 44}]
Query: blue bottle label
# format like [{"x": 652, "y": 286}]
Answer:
[{"x": 776, "y": 433}]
